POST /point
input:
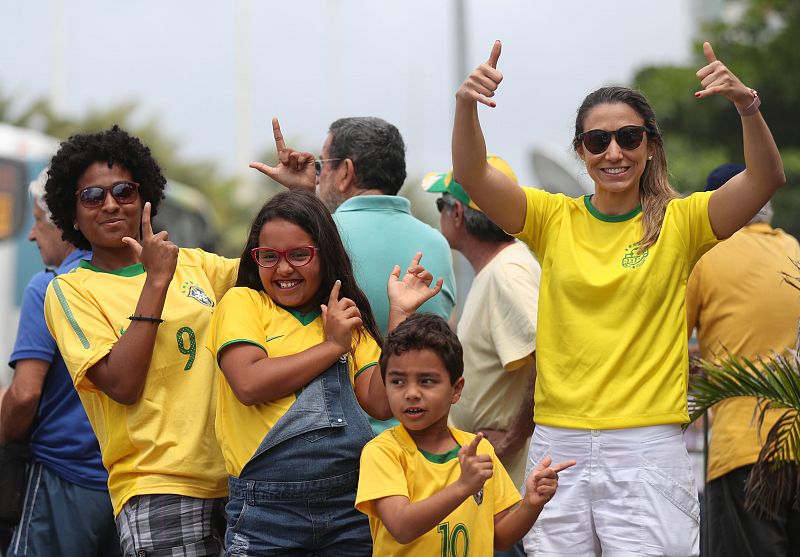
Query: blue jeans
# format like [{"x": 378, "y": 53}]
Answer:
[
  {"x": 297, "y": 493},
  {"x": 296, "y": 518}
]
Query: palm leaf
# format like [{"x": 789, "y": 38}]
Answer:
[
  {"x": 775, "y": 383},
  {"x": 771, "y": 477}
]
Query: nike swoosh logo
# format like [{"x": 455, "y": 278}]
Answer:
[{"x": 273, "y": 338}]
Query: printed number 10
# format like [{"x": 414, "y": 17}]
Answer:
[{"x": 450, "y": 545}]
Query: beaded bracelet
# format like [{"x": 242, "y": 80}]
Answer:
[
  {"x": 156, "y": 320},
  {"x": 752, "y": 108}
]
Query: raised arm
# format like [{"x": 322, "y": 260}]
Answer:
[
  {"x": 406, "y": 295},
  {"x": 295, "y": 169},
  {"x": 122, "y": 372},
  {"x": 494, "y": 192},
  {"x": 738, "y": 200}
]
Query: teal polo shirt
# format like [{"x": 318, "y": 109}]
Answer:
[{"x": 380, "y": 232}]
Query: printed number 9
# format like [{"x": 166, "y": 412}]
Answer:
[
  {"x": 450, "y": 545},
  {"x": 191, "y": 349}
]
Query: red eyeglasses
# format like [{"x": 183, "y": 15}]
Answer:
[{"x": 296, "y": 257}]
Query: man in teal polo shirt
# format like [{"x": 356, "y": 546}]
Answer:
[{"x": 358, "y": 175}]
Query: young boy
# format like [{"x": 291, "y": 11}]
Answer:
[{"x": 429, "y": 489}]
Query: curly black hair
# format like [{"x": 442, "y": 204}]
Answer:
[{"x": 79, "y": 152}]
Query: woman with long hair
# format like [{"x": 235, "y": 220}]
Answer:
[{"x": 611, "y": 351}]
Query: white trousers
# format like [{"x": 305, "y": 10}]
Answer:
[{"x": 632, "y": 492}]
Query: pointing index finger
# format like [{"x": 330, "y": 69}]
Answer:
[
  {"x": 709, "y": 52},
  {"x": 472, "y": 448},
  {"x": 334, "y": 297},
  {"x": 495, "y": 55},
  {"x": 562, "y": 466},
  {"x": 147, "y": 227},
  {"x": 280, "y": 145}
]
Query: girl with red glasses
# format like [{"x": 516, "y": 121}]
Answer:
[
  {"x": 612, "y": 359},
  {"x": 298, "y": 348}
]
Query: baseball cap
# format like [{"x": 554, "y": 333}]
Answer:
[
  {"x": 442, "y": 182},
  {"x": 722, "y": 174}
]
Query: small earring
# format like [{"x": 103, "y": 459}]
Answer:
[
  {"x": 75, "y": 225},
  {"x": 650, "y": 158}
]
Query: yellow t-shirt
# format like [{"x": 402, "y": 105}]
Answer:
[
  {"x": 391, "y": 464},
  {"x": 246, "y": 315},
  {"x": 612, "y": 347},
  {"x": 164, "y": 443},
  {"x": 738, "y": 301}
]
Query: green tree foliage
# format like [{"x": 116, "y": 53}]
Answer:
[{"x": 760, "y": 47}]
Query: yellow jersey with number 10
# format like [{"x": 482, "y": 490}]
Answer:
[{"x": 391, "y": 464}]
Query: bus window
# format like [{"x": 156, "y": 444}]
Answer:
[{"x": 13, "y": 193}]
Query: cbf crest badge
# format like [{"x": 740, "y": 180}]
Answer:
[
  {"x": 478, "y": 496},
  {"x": 634, "y": 256},
  {"x": 196, "y": 292}
]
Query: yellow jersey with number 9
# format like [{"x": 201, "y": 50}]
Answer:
[{"x": 164, "y": 443}]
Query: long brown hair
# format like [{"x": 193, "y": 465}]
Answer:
[
  {"x": 305, "y": 210},
  {"x": 655, "y": 191}
]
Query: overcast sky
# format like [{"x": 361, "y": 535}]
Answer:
[{"x": 213, "y": 73}]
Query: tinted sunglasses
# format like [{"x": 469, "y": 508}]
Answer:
[
  {"x": 123, "y": 193},
  {"x": 628, "y": 138},
  {"x": 296, "y": 257}
]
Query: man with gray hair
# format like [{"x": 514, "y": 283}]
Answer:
[
  {"x": 358, "y": 175},
  {"x": 67, "y": 509},
  {"x": 738, "y": 302}
]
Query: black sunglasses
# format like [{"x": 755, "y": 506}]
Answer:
[
  {"x": 93, "y": 197},
  {"x": 628, "y": 137}
]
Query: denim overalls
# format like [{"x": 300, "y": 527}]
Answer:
[{"x": 296, "y": 495}]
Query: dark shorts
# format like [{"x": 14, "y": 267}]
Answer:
[
  {"x": 62, "y": 518},
  {"x": 734, "y": 532}
]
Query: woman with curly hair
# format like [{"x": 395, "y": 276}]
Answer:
[{"x": 130, "y": 324}]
